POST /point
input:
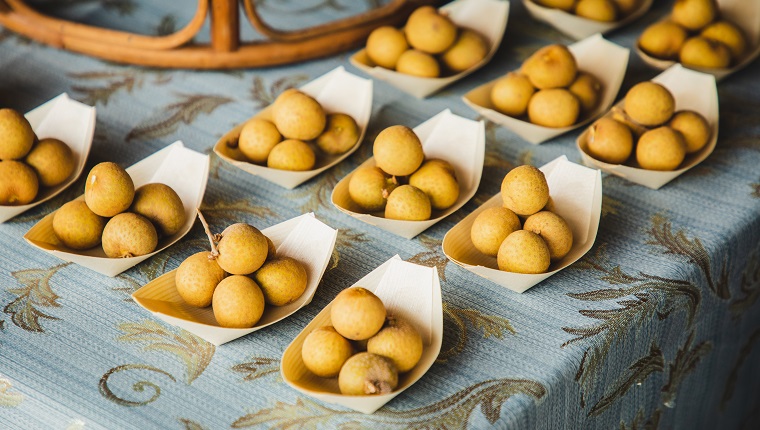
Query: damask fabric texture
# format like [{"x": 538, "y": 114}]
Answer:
[{"x": 658, "y": 326}]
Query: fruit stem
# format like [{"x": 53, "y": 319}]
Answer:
[{"x": 212, "y": 239}]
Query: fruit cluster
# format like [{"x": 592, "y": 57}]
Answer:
[
  {"x": 543, "y": 237},
  {"x": 429, "y": 46},
  {"x": 598, "y": 10},
  {"x": 297, "y": 119},
  {"x": 402, "y": 182},
  {"x": 663, "y": 137},
  {"x": 27, "y": 162},
  {"x": 695, "y": 36},
  {"x": 257, "y": 276},
  {"x": 548, "y": 88},
  {"x": 387, "y": 345},
  {"x": 127, "y": 222}
]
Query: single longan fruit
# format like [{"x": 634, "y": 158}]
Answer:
[
  {"x": 196, "y": 279},
  {"x": 324, "y": 351},
  {"x": 610, "y": 141},
  {"x": 237, "y": 302},
  {"x": 292, "y": 154},
  {"x": 511, "y": 94},
  {"x": 408, "y": 203},
  {"x": 298, "y": 115},
  {"x": 52, "y": 160},
  {"x": 661, "y": 149},
  {"x": 554, "y": 230},
  {"x": 694, "y": 128},
  {"x": 523, "y": 252},
  {"x": 429, "y": 31},
  {"x": 78, "y": 227},
  {"x": 398, "y": 151},
  {"x": 491, "y": 227},
  {"x": 556, "y": 107},
  {"x": 694, "y": 14},
  {"x": 129, "y": 235},
  {"x": 598, "y": 10},
  {"x": 663, "y": 39},
  {"x": 552, "y": 66},
  {"x": 469, "y": 49},
  {"x": 257, "y": 138},
  {"x": 649, "y": 104},
  {"x": 385, "y": 45},
  {"x": 706, "y": 53},
  {"x": 588, "y": 90},
  {"x": 340, "y": 135},
  {"x": 729, "y": 35},
  {"x": 626, "y": 7},
  {"x": 282, "y": 280},
  {"x": 418, "y": 63},
  {"x": 437, "y": 181},
  {"x": 357, "y": 313},
  {"x": 16, "y": 135},
  {"x": 18, "y": 183},
  {"x": 369, "y": 188},
  {"x": 524, "y": 190}
]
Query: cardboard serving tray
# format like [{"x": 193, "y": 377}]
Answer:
[
  {"x": 692, "y": 91},
  {"x": 746, "y": 15},
  {"x": 605, "y": 60},
  {"x": 409, "y": 290},
  {"x": 577, "y": 195},
  {"x": 183, "y": 169},
  {"x": 338, "y": 92},
  {"x": 579, "y": 27},
  {"x": 459, "y": 141},
  {"x": 69, "y": 121},
  {"x": 304, "y": 238},
  {"x": 487, "y": 17}
]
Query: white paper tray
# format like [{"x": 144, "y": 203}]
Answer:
[{"x": 579, "y": 27}]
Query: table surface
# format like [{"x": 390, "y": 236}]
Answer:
[{"x": 657, "y": 326}]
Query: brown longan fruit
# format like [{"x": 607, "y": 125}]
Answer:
[
  {"x": 694, "y": 128},
  {"x": 610, "y": 141},
  {"x": 649, "y": 104},
  {"x": 554, "y": 230},
  {"x": 661, "y": 149},
  {"x": 556, "y": 107}
]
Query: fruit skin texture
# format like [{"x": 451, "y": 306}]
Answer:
[
  {"x": 556, "y": 107},
  {"x": 237, "y": 302},
  {"x": 552, "y": 66},
  {"x": 728, "y": 34},
  {"x": 17, "y": 135},
  {"x": 298, "y": 116},
  {"x": 554, "y": 230},
  {"x": 129, "y": 235},
  {"x": 566, "y": 5},
  {"x": 77, "y": 227},
  {"x": 340, "y": 134},
  {"x": 524, "y": 190},
  {"x": 468, "y": 50},
  {"x": 324, "y": 351},
  {"x": 702, "y": 52},
  {"x": 694, "y": 128},
  {"x": 598, "y": 10},
  {"x": 491, "y": 227},
  {"x": 385, "y": 45},
  {"x": 429, "y": 31},
  {"x": 399, "y": 341},
  {"x": 626, "y": 7},
  {"x": 242, "y": 249},
  {"x": 398, "y": 151},
  {"x": 587, "y": 89},
  {"x": 418, "y": 63},
  {"x": 293, "y": 155},
  {"x": 661, "y": 149},
  {"x": 257, "y": 138},
  {"x": 511, "y": 94},
  {"x": 649, "y": 104},
  {"x": 610, "y": 141},
  {"x": 52, "y": 160},
  {"x": 162, "y": 206},
  {"x": 357, "y": 313},
  {"x": 663, "y": 40},
  {"x": 523, "y": 252},
  {"x": 437, "y": 182},
  {"x": 369, "y": 188},
  {"x": 409, "y": 203},
  {"x": 282, "y": 280},
  {"x": 367, "y": 373},
  {"x": 196, "y": 279},
  {"x": 109, "y": 189},
  {"x": 694, "y": 14},
  {"x": 18, "y": 183}
]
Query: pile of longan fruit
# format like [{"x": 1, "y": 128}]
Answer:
[
  {"x": 125, "y": 221},
  {"x": 548, "y": 88},
  {"x": 28, "y": 163},
  {"x": 297, "y": 120},
  {"x": 598, "y": 10},
  {"x": 429, "y": 46},
  {"x": 365, "y": 347},
  {"x": 696, "y": 36},
  {"x": 240, "y": 276},
  {"x": 523, "y": 247},
  {"x": 663, "y": 137},
  {"x": 402, "y": 183}
]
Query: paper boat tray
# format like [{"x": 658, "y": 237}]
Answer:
[
  {"x": 579, "y": 27},
  {"x": 488, "y": 17},
  {"x": 693, "y": 91},
  {"x": 406, "y": 289},
  {"x": 69, "y": 121},
  {"x": 185, "y": 170},
  {"x": 605, "y": 60},
  {"x": 459, "y": 141},
  {"x": 304, "y": 238},
  {"x": 338, "y": 92},
  {"x": 743, "y": 13},
  {"x": 577, "y": 195}
]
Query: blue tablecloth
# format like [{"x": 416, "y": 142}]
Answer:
[{"x": 658, "y": 326}]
